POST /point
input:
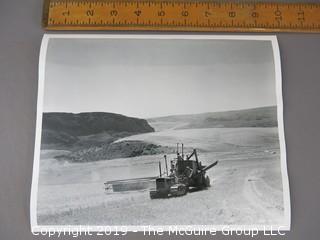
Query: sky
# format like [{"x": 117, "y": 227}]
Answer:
[{"x": 150, "y": 78}]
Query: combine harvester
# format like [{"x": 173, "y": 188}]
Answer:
[{"x": 184, "y": 175}]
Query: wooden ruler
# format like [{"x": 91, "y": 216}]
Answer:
[{"x": 178, "y": 15}]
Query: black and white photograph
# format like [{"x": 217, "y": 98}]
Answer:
[{"x": 160, "y": 130}]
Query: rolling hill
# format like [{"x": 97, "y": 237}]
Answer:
[
  {"x": 254, "y": 117},
  {"x": 65, "y": 130}
]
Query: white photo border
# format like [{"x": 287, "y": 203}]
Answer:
[{"x": 35, "y": 175}]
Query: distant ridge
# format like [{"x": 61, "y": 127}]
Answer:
[{"x": 254, "y": 117}]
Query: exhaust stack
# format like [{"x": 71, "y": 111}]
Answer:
[
  {"x": 165, "y": 159},
  {"x": 160, "y": 169},
  {"x": 177, "y": 148},
  {"x": 182, "y": 151}
]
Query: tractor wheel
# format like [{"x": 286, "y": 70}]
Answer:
[
  {"x": 182, "y": 190},
  {"x": 179, "y": 190},
  {"x": 154, "y": 195}
]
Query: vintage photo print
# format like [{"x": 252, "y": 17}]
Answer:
[{"x": 160, "y": 130}]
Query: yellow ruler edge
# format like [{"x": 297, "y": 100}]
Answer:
[{"x": 180, "y": 15}]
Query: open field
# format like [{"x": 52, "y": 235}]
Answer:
[{"x": 246, "y": 183}]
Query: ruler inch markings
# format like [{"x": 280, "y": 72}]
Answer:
[{"x": 179, "y": 15}]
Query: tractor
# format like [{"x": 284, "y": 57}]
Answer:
[{"x": 184, "y": 174}]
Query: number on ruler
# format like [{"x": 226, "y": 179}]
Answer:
[{"x": 113, "y": 13}]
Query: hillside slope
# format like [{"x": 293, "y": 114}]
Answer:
[
  {"x": 255, "y": 117},
  {"x": 83, "y": 129}
]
